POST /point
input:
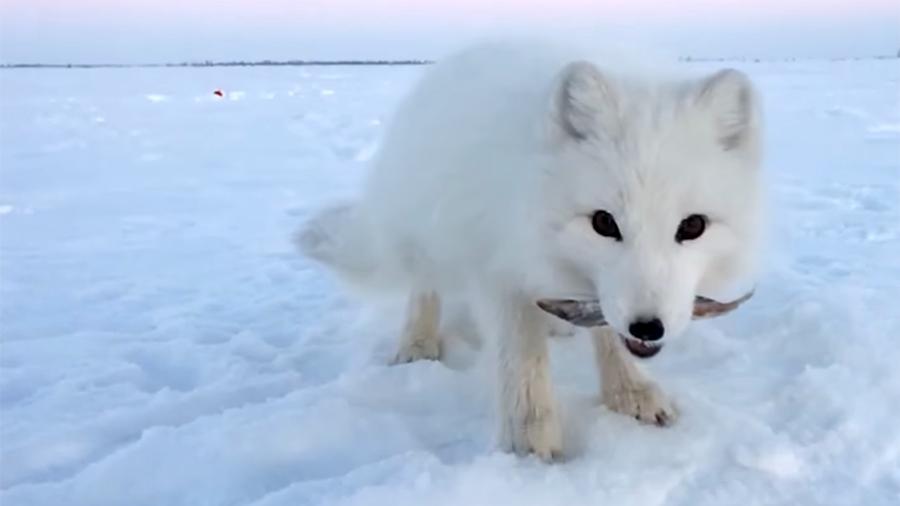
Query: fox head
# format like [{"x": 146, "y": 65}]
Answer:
[{"x": 654, "y": 192}]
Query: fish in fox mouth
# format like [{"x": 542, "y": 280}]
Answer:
[{"x": 588, "y": 313}]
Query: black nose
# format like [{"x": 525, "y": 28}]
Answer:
[{"x": 647, "y": 330}]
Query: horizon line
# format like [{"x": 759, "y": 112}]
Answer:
[{"x": 351, "y": 62}]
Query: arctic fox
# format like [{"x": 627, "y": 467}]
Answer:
[{"x": 517, "y": 172}]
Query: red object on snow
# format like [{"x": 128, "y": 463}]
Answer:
[{"x": 219, "y": 93}]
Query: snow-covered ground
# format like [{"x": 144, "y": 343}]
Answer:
[{"x": 163, "y": 345}]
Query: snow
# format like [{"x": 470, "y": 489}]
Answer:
[{"x": 163, "y": 345}]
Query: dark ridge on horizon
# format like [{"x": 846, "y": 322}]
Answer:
[
  {"x": 262, "y": 63},
  {"x": 305, "y": 63}
]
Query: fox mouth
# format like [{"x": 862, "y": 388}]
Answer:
[
  {"x": 641, "y": 349},
  {"x": 588, "y": 313}
]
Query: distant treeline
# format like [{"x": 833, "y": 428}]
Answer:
[
  {"x": 302, "y": 63},
  {"x": 263, "y": 63},
  {"x": 786, "y": 59}
]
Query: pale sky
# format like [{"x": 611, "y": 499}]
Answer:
[{"x": 144, "y": 31}]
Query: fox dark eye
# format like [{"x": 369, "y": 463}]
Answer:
[
  {"x": 691, "y": 228},
  {"x": 605, "y": 225}
]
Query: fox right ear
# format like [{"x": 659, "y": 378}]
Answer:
[
  {"x": 730, "y": 97},
  {"x": 585, "y": 103}
]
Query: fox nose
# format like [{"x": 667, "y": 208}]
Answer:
[{"x": 647, "y": 330}]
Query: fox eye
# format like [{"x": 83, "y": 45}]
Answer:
[
  {"x": 691, "y": 228},
  {"x": 605, "y": 225}
]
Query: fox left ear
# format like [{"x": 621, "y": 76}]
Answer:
[
  {"x": 730, "y": 97},
  {"x": 584, "y": 104}
]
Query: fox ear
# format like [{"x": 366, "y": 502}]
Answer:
[
  {"x": 584, "y": 103},
  {"x": 729, "y": 96}
]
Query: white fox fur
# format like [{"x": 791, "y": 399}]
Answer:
[{"x": 486, "y": 183}]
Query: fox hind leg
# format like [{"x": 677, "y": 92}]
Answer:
[{"x": 420, "y": 338}]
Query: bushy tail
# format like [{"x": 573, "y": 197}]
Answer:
[{"x": 339, "y": 238}]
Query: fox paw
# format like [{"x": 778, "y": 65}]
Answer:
[
  {"x": 537, "y": 435},
  {"x": 643, "y": 401},
  {"x": 422, "y": 349}
]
